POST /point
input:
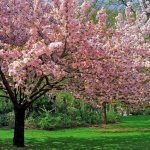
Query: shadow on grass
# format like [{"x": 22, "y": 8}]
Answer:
[{"x": 135, "y": 142}]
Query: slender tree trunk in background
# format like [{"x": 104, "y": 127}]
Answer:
[
  {"x": 115, "y": 108},
  {"x": 19, "y": 128},
  {"x": 122, "y": 112},
  {"x": 108, "y": 107},
  {"x": 104, "y": 113},
  {"x": 128, "y": 111}
]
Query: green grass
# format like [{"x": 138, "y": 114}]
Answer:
[
  {"x": 133, "y": 133},
  {"x": 129, "y": 124}
]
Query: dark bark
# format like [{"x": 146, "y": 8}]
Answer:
[
  {"x": 8, "y": 88},
  {"x": 108, "y": 107},
  {"x": 104, "y": 113},
  {"x": 19, "y": 128},
  {"x": 23, "y": 104},
  {"x": 128, "y": 111},
  {"x": 115, "y": 108}
]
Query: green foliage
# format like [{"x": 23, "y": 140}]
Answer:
[
  {"x": 112, "y": 117},
  {"x": 62, "y": 111},
  {"x": 30, "y": 121},
  {"x": 6, "y": 114},
  {"x": 147, "y": 111},
  {"x": 137, "y": 112},
  {"x": 34, "y": 109},
  {"x": 111, "y": 17},
  {"x": 11, "y": 119},
  {"x": 65, "y": 112},
  {"x": 48, "y": 121},
  {"x": 64, "y": 102},
  {"x": 7, "y": 120},
  {"x": 148, "y": 37},
  {"x": 3, "y": 120},
  {"x": 5, "y": 106}
]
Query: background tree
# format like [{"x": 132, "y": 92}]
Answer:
[{"x": 116, "y": 73}]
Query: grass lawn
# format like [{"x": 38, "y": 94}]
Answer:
[{"x": 133, "y": 133}]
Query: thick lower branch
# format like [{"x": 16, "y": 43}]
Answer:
[
  {"x": 33, "y": 100},
  {"x": 3, "y": 96},
  {"x": 8, "y": 88}
]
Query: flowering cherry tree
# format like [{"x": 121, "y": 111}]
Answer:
[
  {"x": 54, "y": 45},
  {"x": 115, "y": 71}
]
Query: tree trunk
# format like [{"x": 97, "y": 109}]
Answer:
[
  {"x": 104, "y": 113},
  {"x": 128, "y": 111},
  {"x": 108, "y": 107},
  {"x": 115, "y": 108},
  {"x": 19, "y": 128}
]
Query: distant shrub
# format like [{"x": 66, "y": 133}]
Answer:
[
  {"x": 48, "y": 121},
  {"x": 66, "y": 112},
  {"x": 137, "y": 112},
  {"x": 147, "y": 111},
  {"x": 5, "y": 106},
  {"x": 11, "y": 119},
  {"x": 112, "y": 117},
  {"x": 6, "y": 114},
  {"x": 3, "y": 120},
  {"x": 7, "y": 120}
]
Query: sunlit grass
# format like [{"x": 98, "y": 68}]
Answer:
[{"x": 133, "y": 133}]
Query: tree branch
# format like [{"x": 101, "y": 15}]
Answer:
[
  {"x": 124, "y": 3},
  {"x": 37, "y": 92},
  {"x": 42, "y": 91},
  {"x": 32, "y": 101},
  {"x": 8, "y": 88},
  {"x": 3, "y": 96},
  {"x": 37, "y": 85}
]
